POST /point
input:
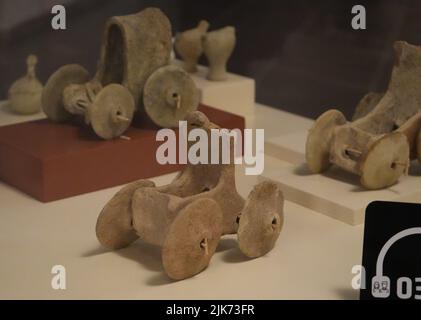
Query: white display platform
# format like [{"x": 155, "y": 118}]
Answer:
[
  {"x": 286, "y": 148},
  {"x": 335, "y": 193},
  {"x": 8, "y": 116},
  {"x": 236, "y": 94}
]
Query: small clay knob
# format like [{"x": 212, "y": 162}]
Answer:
[{"x": 31, "y": 62}]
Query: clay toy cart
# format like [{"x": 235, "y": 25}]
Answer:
[
  {"x": 134, "y": 76},
  {"x": 188, "y": 217},
  {"x": 385, "y": 135}
]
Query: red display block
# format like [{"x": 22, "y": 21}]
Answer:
[{"x": 51, "y": 161}]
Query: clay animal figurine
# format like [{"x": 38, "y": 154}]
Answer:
[
  {"x": 25, "y": 93},
  {"x": 188, "y": 217},
  {"x": 218, "y": 46},
  {"x": 379, "y": 145},
  {"x": 188, "y": 45},
  {"x": 133, "y": 75}
]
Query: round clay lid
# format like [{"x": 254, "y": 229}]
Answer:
[
  {"x": 385, "y": 161},
  {"x": 169, "y": 95},
  {"x": 192, "y": 239},
  {"x": 261, "y": 220},
  {"x": 112, "y": 111},
  {"x": 319, "y": 138},
  {"x": 52, "y": 101}
]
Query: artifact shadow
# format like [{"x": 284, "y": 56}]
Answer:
[
  {"x": 160, "y": 279},
  {"x": 347, "y": 293},
  {"x": 302, "y": 170},
  {"x": 226, "y": 244},
  {"x": 347, "y": 177},
  {"x": 95, "y": 252},
  {"x": 87, "y": 134},
  {"x": 145, "y": 254},
  {"x": 7, "y": 108},
  {"x": 235, "y": 256},
  {"x": 415, "y": 169}
]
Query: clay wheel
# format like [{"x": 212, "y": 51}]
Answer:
[
  {"x": 169, "y": 95},
  {"x": 112, "y": 111},
  {"x": 319, "y": 138},
  {"x": 192, "y": 239},
  {"x": 385, "y": 162},
  {"x": 114, "y": 225},
  {"x": 52, "y": 102},
  {"x": 261, "y": 220}
]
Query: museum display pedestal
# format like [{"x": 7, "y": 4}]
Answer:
[
  {"x": 285, "y": 147},
  {"x": 51, "y": 161},
  {"x": 235, "y": 94},
  {"x": 335, "y": 193}
]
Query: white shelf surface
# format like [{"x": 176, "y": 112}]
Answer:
[
  {"x": 312, "y": 259},
  {"x": 335, "y": 193}
]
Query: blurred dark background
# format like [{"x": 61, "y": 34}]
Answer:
[{"x": 303, "y": 54}]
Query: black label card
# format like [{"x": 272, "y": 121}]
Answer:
[{"x": 392, "y": 251}]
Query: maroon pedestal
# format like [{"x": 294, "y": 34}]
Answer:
[{"x": 51, "y": 161}]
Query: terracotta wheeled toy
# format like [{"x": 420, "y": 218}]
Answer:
[
  {"x": 379, "y": 145},
  {"x": 188, "y": 217},
  {"x": 134, "y": 75}
]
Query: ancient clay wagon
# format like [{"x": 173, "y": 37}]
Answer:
[
  {"x": 188, "y": 216},
  {"x": 385, "y": 134},
  {"x": 134, "y": 76}
]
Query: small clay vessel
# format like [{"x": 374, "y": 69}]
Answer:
[
  {"x": 25, "y": 93},
  {"x": 188, "y": 45},
  {"x": 218, "y": 46}
]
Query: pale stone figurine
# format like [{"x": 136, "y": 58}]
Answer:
[
  {"x": 377, "y": 146},
  {"x": 188, "y": 217},
  {"x": 133, "y": 74},
  {"x": 188, "y": 45},
  {"x": 218, "y": 46},
  {"x": 25, "y": 93}
]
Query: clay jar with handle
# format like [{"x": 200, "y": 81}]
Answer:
[{"x": 218, "y": 46}]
